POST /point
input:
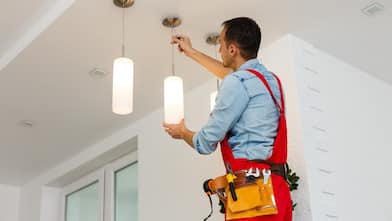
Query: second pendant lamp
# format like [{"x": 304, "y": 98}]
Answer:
[{"x": 173, "y": 85}]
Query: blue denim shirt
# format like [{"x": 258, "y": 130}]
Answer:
[{"x": 246, "y": 111}]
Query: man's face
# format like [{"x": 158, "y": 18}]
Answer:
[{"x": 224, "y": 51}]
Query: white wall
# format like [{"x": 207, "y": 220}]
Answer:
[
  {"x": 359, "y": 111},
  {"x": 50, "y": 204},
  {"x": 9, "y": 202},
  {"x": 29, "y": 204},
  {"x": 344, "y": 122}
]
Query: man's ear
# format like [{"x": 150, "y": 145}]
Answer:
[{"x": 233, "y": 49}]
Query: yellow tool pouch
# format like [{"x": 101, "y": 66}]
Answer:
[{"x": 253, "y": 199}]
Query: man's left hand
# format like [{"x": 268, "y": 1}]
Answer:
[{"x": 176, "y": 131}]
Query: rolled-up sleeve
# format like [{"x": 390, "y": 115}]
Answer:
[{"x": 231, "y": 101}]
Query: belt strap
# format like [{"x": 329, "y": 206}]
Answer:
[
  {"x": 279, "y": 169},
  {"x": 220, "y": 183}
]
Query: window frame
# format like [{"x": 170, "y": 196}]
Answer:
[
  {"x": 106, "y": 192},
  {"x": 110, "y": 171},
  {"x": 97, "y": 176}
]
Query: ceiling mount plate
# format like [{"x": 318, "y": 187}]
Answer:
[
  {"x": 171, "y": 22},
  {"x": 213, "y": 39},
  {"x": 123, "y": 3}
]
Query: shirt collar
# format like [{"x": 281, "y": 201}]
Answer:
[{"x": 249, "y": 64}]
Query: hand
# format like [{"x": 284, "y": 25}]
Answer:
[
  {"x": 176, "y": 131},
  {"x": 184, "y": 44}
]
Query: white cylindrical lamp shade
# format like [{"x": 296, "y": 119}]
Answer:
[
  {"x": 122, "y": 100},
  {"x": 212, "y": 99},
  {"x": 173, "y": 100}
]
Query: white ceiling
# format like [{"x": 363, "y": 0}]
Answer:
[
  {"x": 15, "y": 18},
  {"x": 340, "y": 28},
  {"x": 48, "y": 81}
]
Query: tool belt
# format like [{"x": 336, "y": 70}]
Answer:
[{"x": 254, "y": 195}]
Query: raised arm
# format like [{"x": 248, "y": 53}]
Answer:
[{"x": 214, "y": 66}]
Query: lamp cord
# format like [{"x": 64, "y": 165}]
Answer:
[
  {"x": 123, "y": 27},
  {"x": 173, "y": 67}
]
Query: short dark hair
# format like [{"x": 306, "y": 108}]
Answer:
[{"x": 245, "y": 33}]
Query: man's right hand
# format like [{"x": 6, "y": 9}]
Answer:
[
  {"x": 184, "y": 44},
  {"x": 211, "y": 64}
]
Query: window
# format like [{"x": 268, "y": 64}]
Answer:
[
  {"x": 110, "y": 194},
  {"x": 125, "y": 194},
  {"x": 83, "y": 204}
]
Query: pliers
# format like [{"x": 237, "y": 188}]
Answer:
[{"x": 230, "y": 179}]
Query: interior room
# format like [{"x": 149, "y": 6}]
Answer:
[{"x": 67, "y": 153}]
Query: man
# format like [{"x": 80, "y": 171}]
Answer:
[{"x": 248, "y": 118}]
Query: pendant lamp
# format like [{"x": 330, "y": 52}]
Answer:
[
  {"x": 122, "y": 99},
  {"x": 173, "y": 85},
  {"x": 213, "y": 39}
]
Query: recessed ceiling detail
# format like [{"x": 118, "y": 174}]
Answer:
[
  {"x": 97, "y": 73},
  {"x": 373, "y": 9},
  {"x": 27, "y": 123}
]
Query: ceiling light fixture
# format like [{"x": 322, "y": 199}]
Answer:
[
  {"x": 122, "y": 100},
  {"x": 373, "y": 8},
  {"x": 173, "y": 85},
  {"x": 213, "y": 39},
  {"x": 97, "y": 73},
  {"x": 27, "y": 123}
]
